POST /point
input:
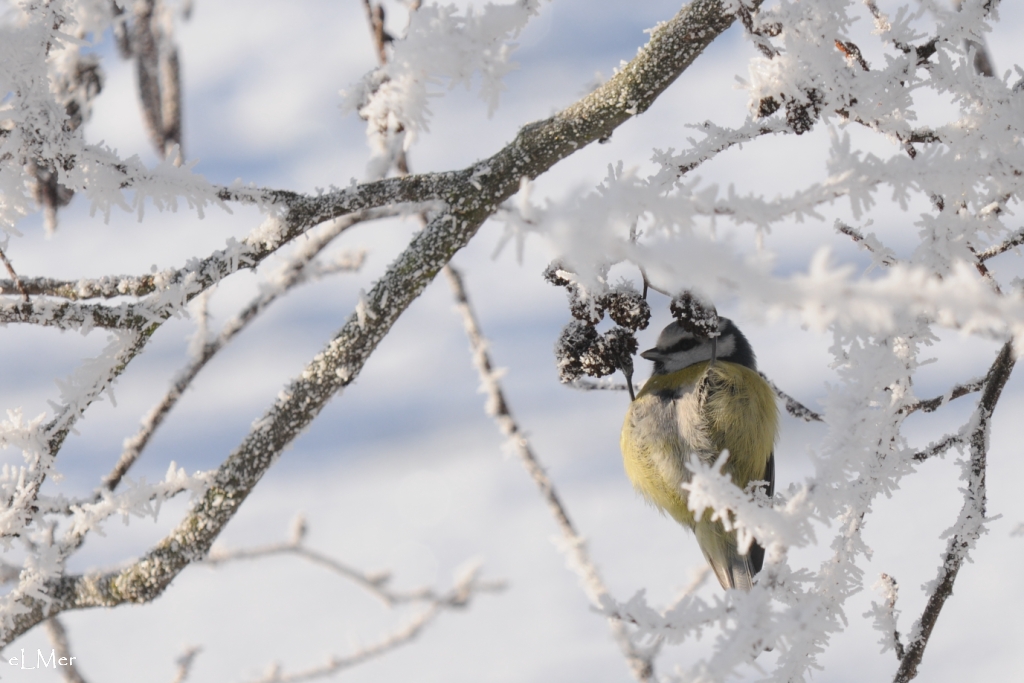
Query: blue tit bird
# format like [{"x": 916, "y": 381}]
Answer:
[{"x": 704, "y": 396}]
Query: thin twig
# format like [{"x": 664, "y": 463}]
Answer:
[
  {"x": 386, "y": 644},
  {"x": 641, "y": 663},
  {"x": 802, "y": 412},
  {"x": 697, "y": 580},
  {"x": 185, "y": 662},
  {"x": 939, "y": 447},
  {"x": 14, "y": 275},
  {"x": 458, "y": 597},
  {"x": 1014, "y": 240},
  {"x": 932, "y": 404},
  {"x": 375, "y": 16},
  {"x": 374, "y": 582},
  {"x": 885, "y": 615},
  {"x": 62, "y": 648},
  {"x": 793, "y": 406},
  {"x": 881, "y": 254}
]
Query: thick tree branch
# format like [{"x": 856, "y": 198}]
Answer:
[{"x": 67, "y": 315}]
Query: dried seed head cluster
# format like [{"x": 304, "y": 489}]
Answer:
[
  {"x": 695, "y": 315},
  {"x": 627, "y": 308},
  {"x": 581, "y": 349}
]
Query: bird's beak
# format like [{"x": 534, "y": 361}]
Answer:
[{"x": 652, "y": 355}]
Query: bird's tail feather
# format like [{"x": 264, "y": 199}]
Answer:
[{"x": 722, "y": 553}]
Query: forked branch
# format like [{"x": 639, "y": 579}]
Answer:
[{"x": 971, "y": 523}]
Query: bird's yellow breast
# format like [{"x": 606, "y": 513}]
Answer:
[{"x": 667, "y": 425}]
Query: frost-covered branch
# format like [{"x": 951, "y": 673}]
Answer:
[
  {"x": 470, "y": 197},
  {"x": 971, "y": 523},
  {"x": 956, "y": 391},
  {"x": 793, "y": 406},
  {"x": 67, "y": 315},
  {"x": 137, "y": 499},
  {"x": 40, "y": 443},
  {"x": 106, "y": 287},
  {"x": 880, "y": 254},
  {"x": 884, "y": 615},
  {"x": 641, "y": 662},
  {"x": 1011, "y": 242},
  {"x": 296, "y": 271},
  {"x": 939, "y": 447}
]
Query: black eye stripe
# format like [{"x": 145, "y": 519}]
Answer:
[{"x": 683, "y": 345}]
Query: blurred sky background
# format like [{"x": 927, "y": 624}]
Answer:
[{"x": 404, "y": 471}]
